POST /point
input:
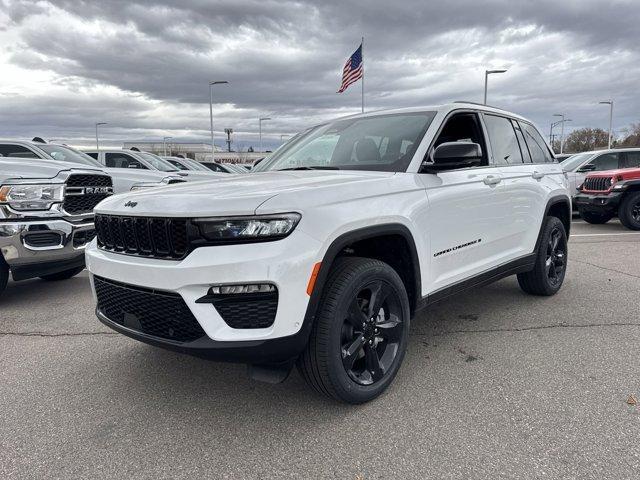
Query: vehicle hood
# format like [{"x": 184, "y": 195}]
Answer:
[
  {"x": 16, "y": 168},
  {"x": 243, "y": 194},
  {"x": 625, "y": 173},
  {"x": 140, "y": 175}
]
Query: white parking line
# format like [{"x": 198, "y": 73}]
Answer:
[{"x": 602, "y": 234}]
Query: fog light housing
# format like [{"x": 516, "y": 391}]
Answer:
[{"x": 239, "y": 289}]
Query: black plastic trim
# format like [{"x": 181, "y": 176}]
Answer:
[
  {"x": 520, "y": 265},
  {"x": 40, "y": 269}
]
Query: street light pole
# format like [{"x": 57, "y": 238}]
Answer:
[
  {"x": 97, "y": 141},
  {"x": 610, "y": 103},
  {"x": 486, "y": 81},
  {"x": 260, "y": 120},
  {"x": 164, "y": 144},
  {"x": 211, "y": 84},
  {"x": 561, "y": 123}
]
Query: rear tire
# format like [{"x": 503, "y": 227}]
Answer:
[
  {"x": 551, "y": 261},
  {"x": 360, "y": 335},
  {"x": 595, "y": 218},
  {"x": 65, "y": 275},
  {"x": 4, "y": 274},
  {"x": 629, "y": 211}
]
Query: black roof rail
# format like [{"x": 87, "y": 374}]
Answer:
[{"x": 38, "y": 140}]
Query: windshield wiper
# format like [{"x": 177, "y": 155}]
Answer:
[{"x": 314, "y": 167}]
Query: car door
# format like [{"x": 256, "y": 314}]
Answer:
[
  {"x": 524, "y": 160},
  {"x": 463, "y": 205}
]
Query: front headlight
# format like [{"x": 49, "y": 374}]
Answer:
[
  {"x": 247, "y": 229},
  {"x": 31, "y": 197}
]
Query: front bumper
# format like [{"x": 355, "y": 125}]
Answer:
[
  {"x": 286, "y": 263},
  {"x": 29, "y": 258},
  {"x": 598, "y": 203}
]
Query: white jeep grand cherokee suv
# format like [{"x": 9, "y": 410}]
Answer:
[{"x": 322, "y": 256}]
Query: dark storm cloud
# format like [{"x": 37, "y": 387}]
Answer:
[{"x": 285, "y": 57}]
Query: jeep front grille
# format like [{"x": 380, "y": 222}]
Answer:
[
  {"x": 597, "y": 184},
  {"x": 143, "y": 236},
  {"x": 84, "y": 192}
]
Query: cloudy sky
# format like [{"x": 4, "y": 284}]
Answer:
[{"x": 144, "y": 67}]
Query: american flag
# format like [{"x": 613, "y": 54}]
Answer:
[{"x": 353, "y": 70}]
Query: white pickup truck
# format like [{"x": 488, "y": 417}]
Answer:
[
  {"x": 124, "y": 179},
  {"x": 137, "y": 160},
  {"x": 46, "y": 217}
]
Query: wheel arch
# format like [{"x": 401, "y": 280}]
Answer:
[
  {"x": 361, "y": 242},
  {"x": 558, "y": 206}
]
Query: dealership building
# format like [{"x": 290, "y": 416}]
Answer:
[{"x": 197, "y": 151}]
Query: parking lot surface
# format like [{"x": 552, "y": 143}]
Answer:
[{"x": 496, "y": 384}]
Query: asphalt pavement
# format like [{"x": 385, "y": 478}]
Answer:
[{"x": 496, "y": 384}]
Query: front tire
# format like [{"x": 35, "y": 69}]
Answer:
[
  {"x": 551, "y": 261},
  {"x": 629, "y": 211},
  {"x": 595, "y": 218},
  {"x": 4, "y": 274},
  {"x": 360, "y": 335},
  {"x": 65, "y": 275}
]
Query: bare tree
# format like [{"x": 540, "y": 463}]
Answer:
[{"x": 586, "y": 139}]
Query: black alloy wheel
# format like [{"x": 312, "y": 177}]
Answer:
[
  {"x": 555, "y": 262},
  {"x": 371, "y": 333}
]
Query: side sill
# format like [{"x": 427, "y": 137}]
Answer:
[{"x": 520, "y": 265}]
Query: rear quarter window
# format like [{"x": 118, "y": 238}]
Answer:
[{"x": 537, "y": 146}]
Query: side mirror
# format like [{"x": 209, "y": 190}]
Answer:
[
  {"x": 453, "y": 155},
  {"x": 590, "y": 167}
]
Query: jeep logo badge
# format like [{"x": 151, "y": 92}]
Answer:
[{"x": 130, "y": 204}]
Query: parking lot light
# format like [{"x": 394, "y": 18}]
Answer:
[
  {"x": 97, "y": 141},
  {"x": 260, "y": 120},
  {"x": 610, "y": 103},
  {"x": 486, "y": 79},
  {"x": 211, "y": 84}
]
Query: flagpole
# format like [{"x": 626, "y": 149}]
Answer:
[{"x": 362, "y": 55}]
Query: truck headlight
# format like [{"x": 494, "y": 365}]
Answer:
[
  {"x": 31, "y": 197},
  {"x": 247, "y": 229}
]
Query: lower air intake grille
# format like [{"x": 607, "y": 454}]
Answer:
[
  {"x": 156, "y": 313},
  {"x": 597, "y": 183},
  {"x": 249, "y": 310},
  {"x": 43, "y": 239}
]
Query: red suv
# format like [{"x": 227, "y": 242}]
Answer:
[{"x": 603, "y": 195}]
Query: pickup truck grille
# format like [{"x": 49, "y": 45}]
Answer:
[
  {"x": 84, "y": 192},
  {"x": 143, "y": 236},
  {"x": 597, "y": 184},
  {"x": 156, "y": 313}
]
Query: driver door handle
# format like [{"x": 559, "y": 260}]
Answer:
[
  {"x": 538, "y": 175},
  {"x": 492, "y": 180}
]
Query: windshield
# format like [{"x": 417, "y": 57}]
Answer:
[
  {"x": 382, "y": 143},
  {"x": 176, "y": 164},
  {"x": 195, "y": 165},
  {"x": 68, "y": 154},
  {"x": 157, "y": 162},
  {"x": 573, "y": 162}
]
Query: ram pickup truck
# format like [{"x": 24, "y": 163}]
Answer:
[
  {"x": 46, "y": 217},
  {"x": 136, "y": 159},
  {"x": 124, "y": 180},
  {"x": 321, "y": 256},
  {"x": 603, "y": 195}
]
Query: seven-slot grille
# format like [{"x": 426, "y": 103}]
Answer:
[
  {"x": 143, "y": 236},
  {"x": 597, "y": 183},
  {"x": 156, "y": 313},
  {"x": 83, "y": 192}
]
